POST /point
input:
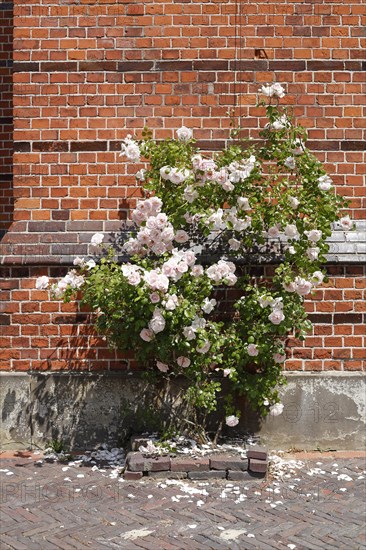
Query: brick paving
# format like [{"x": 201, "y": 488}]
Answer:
[{"x": 45, "y": 506}]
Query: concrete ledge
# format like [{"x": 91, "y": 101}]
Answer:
[{"x": 321, "y": 410}]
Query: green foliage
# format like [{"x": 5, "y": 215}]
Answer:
[{"x": 231, "y": 207}]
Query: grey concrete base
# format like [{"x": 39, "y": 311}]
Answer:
[{"x": 325, "y": 410}]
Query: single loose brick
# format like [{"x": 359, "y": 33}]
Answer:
[
  {"x": 225, "y": 462},
  {"x": 189, "y": 465},
  {"x": 209, "y": 474},
  {"x": 132, "y": 476},
  {"x": 257, "y": 451},
  {"x": 258, "y": 466}
]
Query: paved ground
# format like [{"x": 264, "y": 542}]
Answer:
[{"x": 320, "y": 505}]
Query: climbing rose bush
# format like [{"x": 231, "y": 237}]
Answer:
[{"x": 202, "y": 222}]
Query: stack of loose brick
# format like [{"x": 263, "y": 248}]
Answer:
[{"x": 216, "y": 466}]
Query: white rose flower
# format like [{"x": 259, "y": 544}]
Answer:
[
  {"x": 314, "y": 235},
  {"x": 140, "y": 175},
  {"x": 190, "y": 194},
  {"x": 162, "y": 366},
  {"x": 157, "y": 323},
  {"x": 324, "y": 183},
  {"x": 276, "y": 409},
  {"x": 189, "y": 333},
  {"x": 165, "y": 172},
  {"x": 79, "y": 261},
  {"x": 97, "y": 239},
  {"x": 280, "y": 123},
  {"x": 303, "y": 287},
  {"x": 226, "y": 372},
  {"x": 313, "y": 253},
  {"x": 252, "y": 350},
  {"x": 42, "y": 282},
  {"x": 130, "y": 149},
  {"x": 273, "y": 90},
  {"x": 171, "y": 303},
  {"x": 234, "y": 244},
  {"x": 204, "y": 348},
  {"x": 183, "y": 362},
  {"x": 291, "y": 287},
  {"x": 317, "y": 278},
  {"x": 232, "y": 421},
  {"x": 290, "y": 163},
  {"x": 184, "y": 134},
  {"x": 299, "y": 146},
  {"x": 208, "y": 305},
  {"x": 291, "y": 231},
  {"x": 243, "y": 203},
  {"x": 291, "y": 250},
  {"x": 294, "y": 202},
  {"x": 346, "y": 223},
  {"x": 90, "y": 264},
  {"x": 276, "y": 317}
]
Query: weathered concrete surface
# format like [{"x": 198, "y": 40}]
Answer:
[
  {"x": 15, "y": 428},
  {"x": 325, "y": 410}
]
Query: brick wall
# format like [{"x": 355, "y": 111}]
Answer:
[
  {"x": 86, "y": 75},
  {"x": 6, "y": 115}
]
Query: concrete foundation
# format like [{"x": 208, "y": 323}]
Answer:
[{"x": 322, "y": 410}]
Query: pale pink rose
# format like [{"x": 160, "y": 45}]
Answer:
[
  {"x": 138, "y": 217},
  {"x": 279, "y": 357},
  {"x": 273, "y": 232},
  {"x": 346, "y": 223},
  {"x": 226, "y": 372},
  {"x": 197, "y": 271},
  {"x": 232, "y": 421},
  {"x": 181, "y": 236},
  {"x": 154, "y": 298},
  {"x": 162, "y": 366},
  {"x": 303, "y": 286},
  {"x": 252, "y": 350},
  {"x": 196, "y": 162},
  {"x": 314, "y": 235},
  {"x": 228, "y": 186},
  {"x": 276, "y": 317},
  {"x": 157, "y": 323},
  {"x": 146, "y": 334},
  {"x": 184, "y": 134},
  {"x": 183, "y": 362},
  {"x": 290, "y": 287}
]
